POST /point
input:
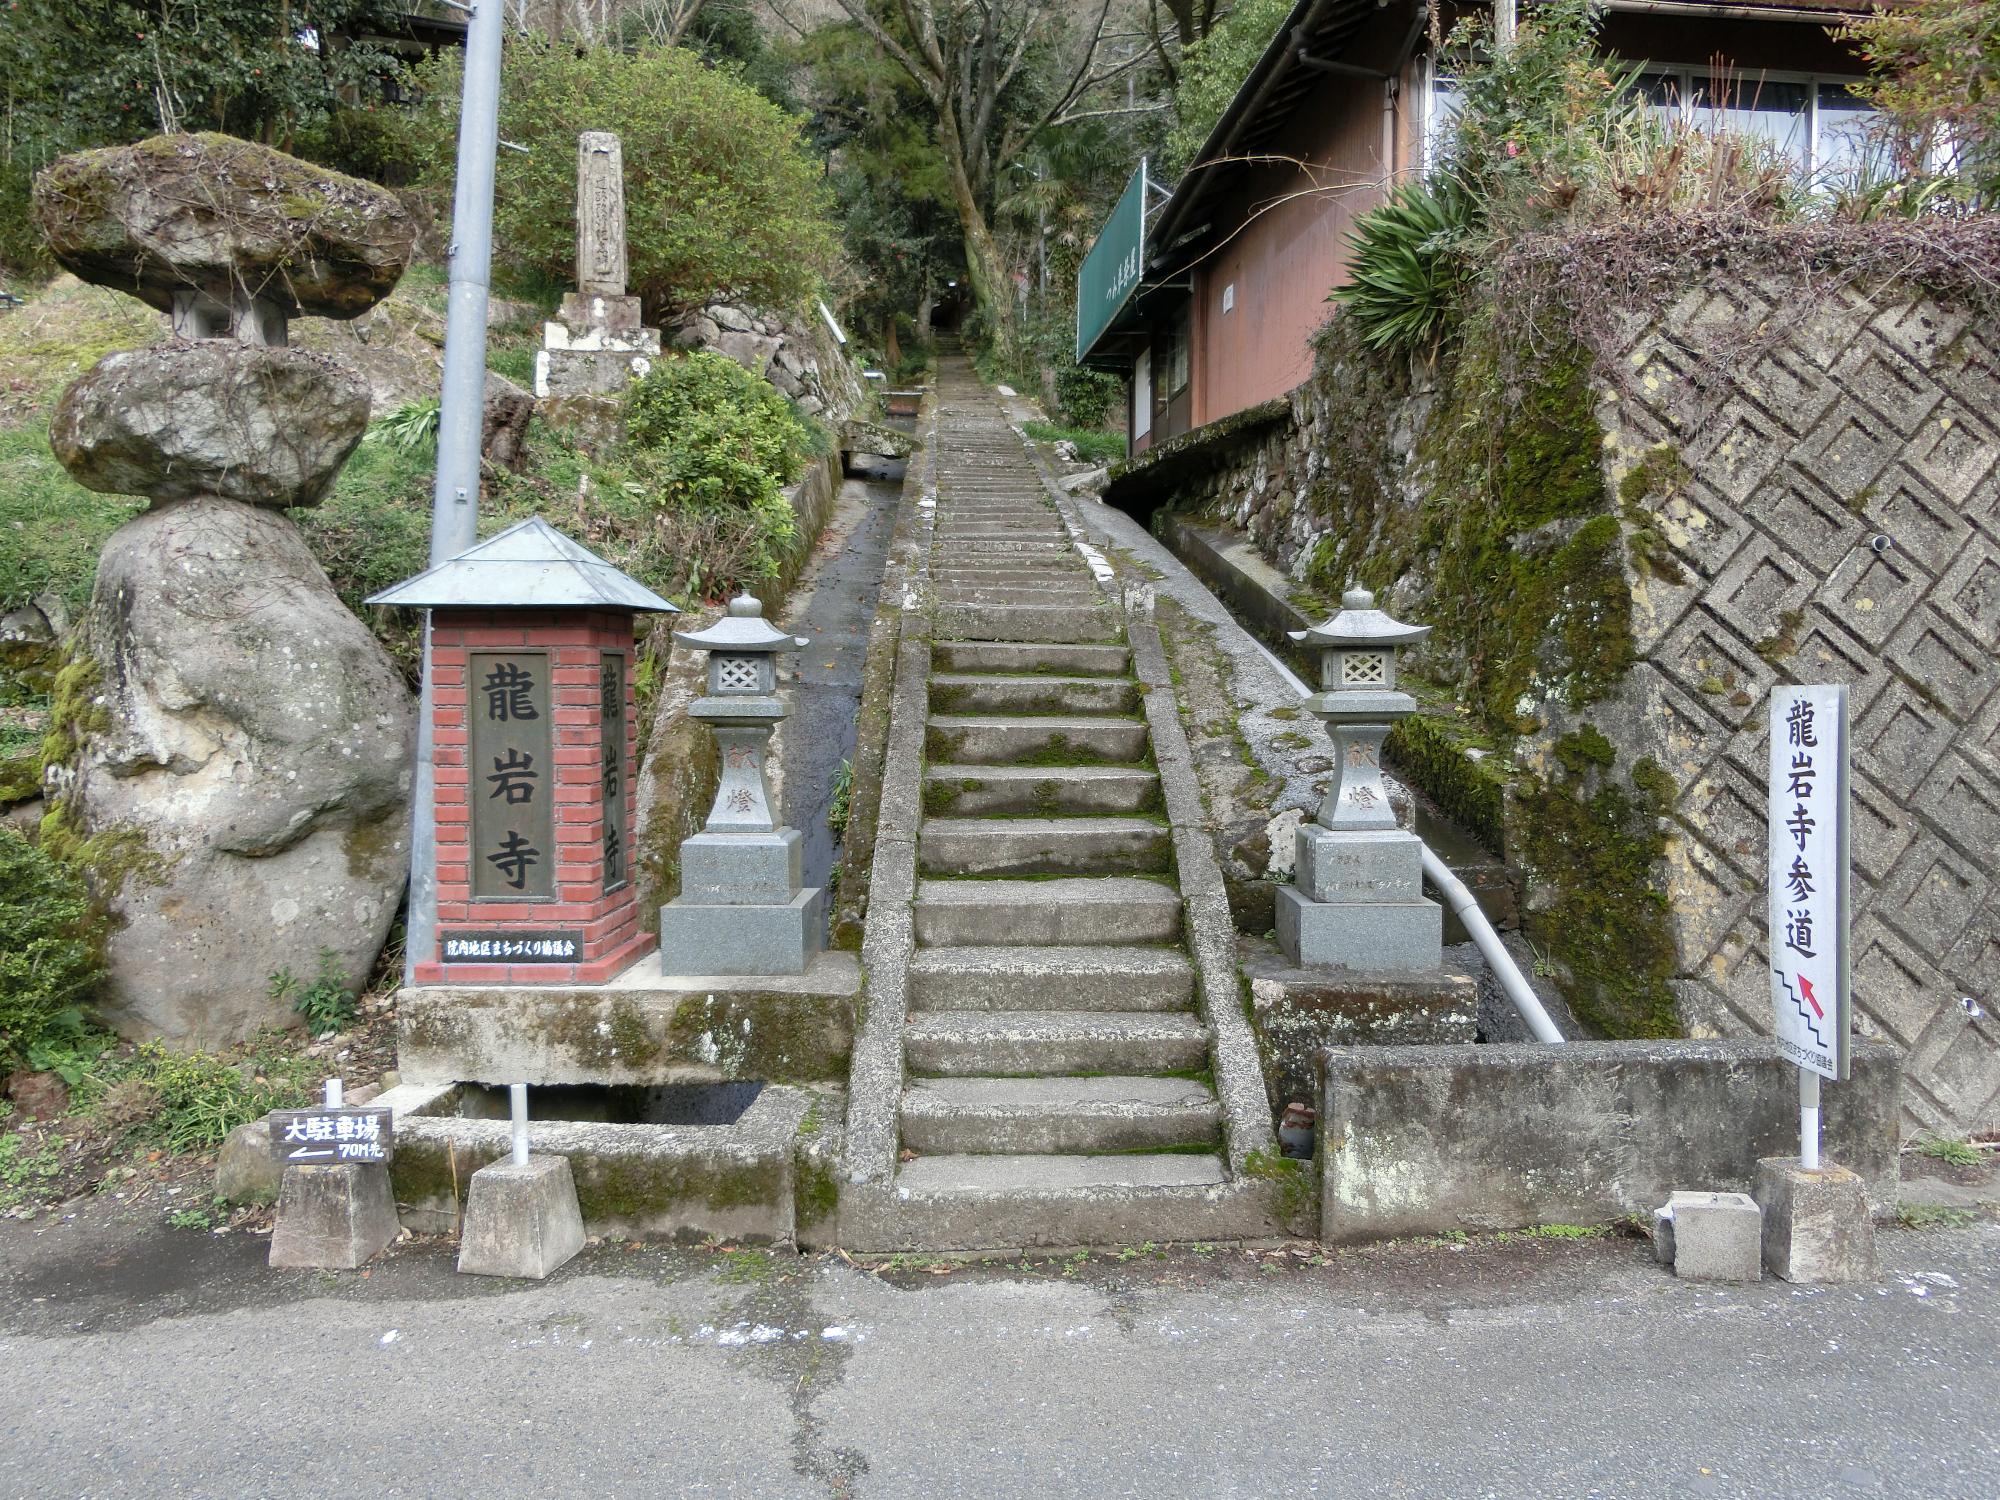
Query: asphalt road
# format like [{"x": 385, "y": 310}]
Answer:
[{"x": 141, "y": 1361}]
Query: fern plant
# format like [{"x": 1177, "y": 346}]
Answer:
[{"x": 1407, "y": 267}]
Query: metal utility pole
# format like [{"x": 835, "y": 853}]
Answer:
[{"x": 455, "y": 497}]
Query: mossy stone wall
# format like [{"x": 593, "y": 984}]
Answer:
[{"x": 1626, "y": 528}]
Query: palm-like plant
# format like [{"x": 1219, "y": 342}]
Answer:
[{"x": 1407, "y": 266}]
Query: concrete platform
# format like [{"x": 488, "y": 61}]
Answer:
[
  {"x": 640, "y": 1028},
  {"x": 766, "y": 1178},
  {"x": 1297, "y": 1013}
]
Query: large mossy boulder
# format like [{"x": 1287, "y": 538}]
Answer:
[
  {"x": 238, "y": 783},
  {"x": 219, "y": 215},
  {"x": 213, "y": 417}
]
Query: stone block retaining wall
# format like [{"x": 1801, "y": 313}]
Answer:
[{"x": 1799, "y": 497}]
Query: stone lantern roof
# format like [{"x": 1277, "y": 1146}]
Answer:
[
  {"x": 1359, "y": 624},
  {"x": 530, "y": 565},
  {"x": 744, "y": 628}
]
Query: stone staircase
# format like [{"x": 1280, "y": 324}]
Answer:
[{"x": 1056, "y": 1069}]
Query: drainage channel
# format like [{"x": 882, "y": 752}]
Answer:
[{"x": 834, "y": 609}]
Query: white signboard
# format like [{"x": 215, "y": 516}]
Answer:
[{"x": 1808, "y": 812}]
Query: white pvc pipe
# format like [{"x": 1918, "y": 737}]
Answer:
[
  {"x": 1461, "y": 900},
  {"x": 1512, "y": 981},
  {"x": 1808, "y": 1119},
  {"x": 517, "y": 1107}
]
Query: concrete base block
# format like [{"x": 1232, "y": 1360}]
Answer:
[
  {"x": 1817, "y": 1227},
  {"x": 1715, "y": 1236},
  {"x": 1663, "y": 1235},
  {"x": 1297, "y": 1013},
  {"x": 741, "y": 940},
  {"x": 1392, "y": 936},
  {"x": 728, "y": 868},
  {"x": 520, "y": 1220},
  {"x": 333, "y": 1218},
  {"x": 1361, "y": 867}
]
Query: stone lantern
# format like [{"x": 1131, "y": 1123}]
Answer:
[
  {"x": 1356, "y": 901},
  {"x": 741, "y": 909}
]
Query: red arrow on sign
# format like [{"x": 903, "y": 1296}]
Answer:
[{"x": 1805, "y": 988}]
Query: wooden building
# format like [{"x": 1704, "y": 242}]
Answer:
[{"x": 1348, "y": 97}]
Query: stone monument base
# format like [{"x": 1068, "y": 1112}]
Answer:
[
  {"x": 724, "y": 868},
  {"x": 1817, "y": 1228},
  {"x": 333, "y": 1218},
  {"x": 1376, "y": 865},
  {"x": 1394, "y": 936},
  {"x": 743, "y": 940},
  {"x": 520, "y": 1220}
]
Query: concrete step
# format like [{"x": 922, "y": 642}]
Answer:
[
  {"x": 1047, "y": 739},
  {"x": 974, "y": 1043},
  {"x": 1058, "y": 1115},
  {"x": 1038, "y": 574},
  {"x": 989, "y": 1176},
  {"x": 1081, "y": 594},
  {"x": 1029, "y": 622},
  {"x": 970, "y": 791},
  {"x": 1012, "y": 1203},
  {"x": 1011, "y": 656},
  {"x": 1105, "y": 911},
  {"x": 979, "y": 693},
  {"x": 1099, "y": 978},
  {"x": 1044, "y": 846}
]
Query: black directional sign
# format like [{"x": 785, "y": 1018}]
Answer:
[{"x": 331, "y": 1137}]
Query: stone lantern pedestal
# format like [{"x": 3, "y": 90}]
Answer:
[
  {"x": 742, "y": 908},
  {"x": 1356, "y": 901},
  {"x": 533, "y": 734}
]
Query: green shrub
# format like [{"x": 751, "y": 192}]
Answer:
[
  {"x": 1407, "y": 267},
  {"x": 721, "y": 196},
  {"x": 202, "y": 1098},
  {"x": 52, "y": 956},
  {"x": 1093, "y": 445},
  {"x": 711, "y": 435},
  {"x": 326, "y": 1004},
  {"x": 708, "y": 449}
]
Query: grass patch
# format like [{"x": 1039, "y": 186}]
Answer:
[
  {"x": 1093, "y": 444},
  {"x": 51, "y": 527},
  {"x": 1950, "y": 1151},
  {"x": 1934, "y": 1216},
  {"x": 1554, "y": 1232}
]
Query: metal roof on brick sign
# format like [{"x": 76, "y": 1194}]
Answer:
[{"x": 530, "y": 565}]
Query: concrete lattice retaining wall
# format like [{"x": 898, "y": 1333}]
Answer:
[
  {"x": 1756, "y": 439},
  {"x": 1419, "y": 1140}
]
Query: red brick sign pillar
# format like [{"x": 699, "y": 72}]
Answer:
[{"x": 535, "y": 739}]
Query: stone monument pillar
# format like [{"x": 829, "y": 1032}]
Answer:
[
  {"x": 596, "y": 344},
  {"x": 1356, "y": 901},
  {"x": 741, "y": 909},
  {"x": 534, "y": 734}
]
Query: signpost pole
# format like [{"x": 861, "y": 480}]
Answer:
[
  {"x": 1808, "y": 1120},
  {"x": 517, "y": 1103},
  {"x": 334, "y": 1093},
  {"x": 455, "y": 494}
]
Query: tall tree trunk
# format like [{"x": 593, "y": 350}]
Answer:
[{"x": 986, "y": 270}]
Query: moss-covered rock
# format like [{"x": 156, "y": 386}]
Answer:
[{"x": 1594, "y": 845}]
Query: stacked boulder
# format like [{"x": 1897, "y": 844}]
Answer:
[{"x": 238, "y": 782}]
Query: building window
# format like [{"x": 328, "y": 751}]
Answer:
[{"x": 1816, "y": 122}]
